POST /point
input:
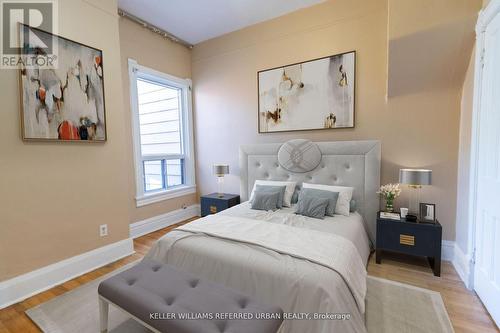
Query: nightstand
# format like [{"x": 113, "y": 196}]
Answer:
[
  {"x": 414, "y": 238},
  {"x": 212, "y": 203}
]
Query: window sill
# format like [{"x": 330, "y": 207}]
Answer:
[{"x": 148, "y": 199}]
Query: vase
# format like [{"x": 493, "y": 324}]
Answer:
[{"x": 389, "y": 205}]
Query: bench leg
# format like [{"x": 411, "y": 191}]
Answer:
[{"x": 103, "y": 315}]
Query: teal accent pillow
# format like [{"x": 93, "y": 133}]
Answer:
[
  {"x": 311, "y": 206},
  {"x": 271, "y": 189},
  {"x": 265, "y": 200},
  {"x": 295, "y": 196},
  {"x": 331, "y": 196},
  {"x": 352, "y": 206}
]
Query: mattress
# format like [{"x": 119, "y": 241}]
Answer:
[{"x": 300, "y": 287}]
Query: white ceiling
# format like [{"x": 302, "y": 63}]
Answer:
[{"x": 198, "y": 20}]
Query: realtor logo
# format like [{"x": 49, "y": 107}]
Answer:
[{"x": 27, "y": 28}]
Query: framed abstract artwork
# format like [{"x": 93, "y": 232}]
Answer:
[
  {"x": 315, "y": 94},
  {"x": 62, "y": 102}
]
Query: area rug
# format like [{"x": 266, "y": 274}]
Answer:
[{"x": 390, "y": 307}]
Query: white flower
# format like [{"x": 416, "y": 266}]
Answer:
[{"x": 390, "y": 190}]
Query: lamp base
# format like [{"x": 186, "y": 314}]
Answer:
[{"x": 411, "y": 218}]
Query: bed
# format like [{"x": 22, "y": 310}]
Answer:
[{"x": 321, "y": 268}]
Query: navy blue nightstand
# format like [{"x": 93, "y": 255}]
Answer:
[
  {"x": 414, "y": 238},
  {"x": 212, "y": 203}
]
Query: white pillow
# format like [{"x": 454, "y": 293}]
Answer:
[
  {"x": 290, "y": 188},
  {"x": 345, "y": 196}
]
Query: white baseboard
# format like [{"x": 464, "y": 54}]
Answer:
[
  {"x": 447, "y": 250},
  {"x": 463, "y": 265},
  {"x": 461, "y": 262},
  {"x": 146, "y": 226},
  {"x": 23, "y": 286}
]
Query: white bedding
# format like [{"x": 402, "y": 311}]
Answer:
[
  {"x": 350, "y": 227},
  {"x": 295, "y": 284}
]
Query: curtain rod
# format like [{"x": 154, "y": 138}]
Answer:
[{"x": 155, "y": 29}]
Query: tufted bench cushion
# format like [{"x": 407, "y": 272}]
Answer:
[{"x": 159, "y": 294}]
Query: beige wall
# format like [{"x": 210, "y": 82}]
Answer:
[
  {"x": 462, "y": 230},
  {"x": 418, "y": 124},
  {"x": 74, "y": 188},
  {"x": 151, "y": 50},
  {"x": 430, "y": 43},
  {"x": 54, "y": 196}
]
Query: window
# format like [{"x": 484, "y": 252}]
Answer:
[{"x": 162, "y": 129}]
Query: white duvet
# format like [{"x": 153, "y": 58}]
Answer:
[{"x": 299, "y": 268}]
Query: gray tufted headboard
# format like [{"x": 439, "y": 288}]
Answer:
[{"x": 343, "y": 163}]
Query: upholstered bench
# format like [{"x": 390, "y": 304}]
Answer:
[{"x": 165, "y": 299}]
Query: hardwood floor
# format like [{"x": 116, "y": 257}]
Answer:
[{"x": 466, "y": 311}]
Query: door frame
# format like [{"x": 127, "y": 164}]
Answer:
[{"x": 486, "y": 15}]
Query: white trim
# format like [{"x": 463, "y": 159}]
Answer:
[
  {"x": 463, "y": 265},
  {"x": 485, "y": 16},
  {"x": 23, "y": 286},
  {"x": 147, "y": 226},
  {"x": 447, "y": 250},
  {"x": 180, "y": 191},
  {"x": 143, "y": 198},
  {"x": 450, "y": 251}
]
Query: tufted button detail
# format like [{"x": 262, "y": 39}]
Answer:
[
  {"x": 288, "y": 177},
  {"x": 266, "y": 175},
  {"x": 348, "y": 167},
  {"x": 170, "y": 300},
  {"x": 222, "y": 325},
  {"x": 257, "y": 164},
  {"x": 130, "y": 282},
  {"x": 309, "y": 177},
  {"x": 243, "y": 303},
  {"x": 335, "y": 178},
  {"x": 194, "y": 283},
  {"x": 323, "y": 166},
  {"x": 276, "y": 165},
  {"x": 156, "y": 268}
]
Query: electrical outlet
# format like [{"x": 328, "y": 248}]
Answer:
[{"x": 103, "y": 230}]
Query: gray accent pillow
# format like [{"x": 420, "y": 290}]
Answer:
[
  {"x": 311, "y": 206},
  {"x": 265, "y": 200},
  {"x": 331, "y": 196},
  {"x": 271, "y": 189}
]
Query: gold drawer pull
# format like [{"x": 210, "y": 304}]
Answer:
[
  {"x": 213, "y": 209},
  {"x": 407, "y": 240}
]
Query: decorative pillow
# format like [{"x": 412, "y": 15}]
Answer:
[
  {"x": 265, "y": 200},
  {"x": 331, "y": 196},
  {"x": 272, "y": 189},
  {"x": 299, "y": 155},
  {"x": 290, "y": 187},
  {"x": 311, "y": 206},
  {"x": 295, "y": 196},
  {"x": 345, "y": 196}
]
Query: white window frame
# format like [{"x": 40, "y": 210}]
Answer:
[{"x": 142, "y": 197}]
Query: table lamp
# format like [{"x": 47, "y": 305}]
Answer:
[
  {"x": 220, "y": 170},
  {"x": 415, "y": 179}
]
